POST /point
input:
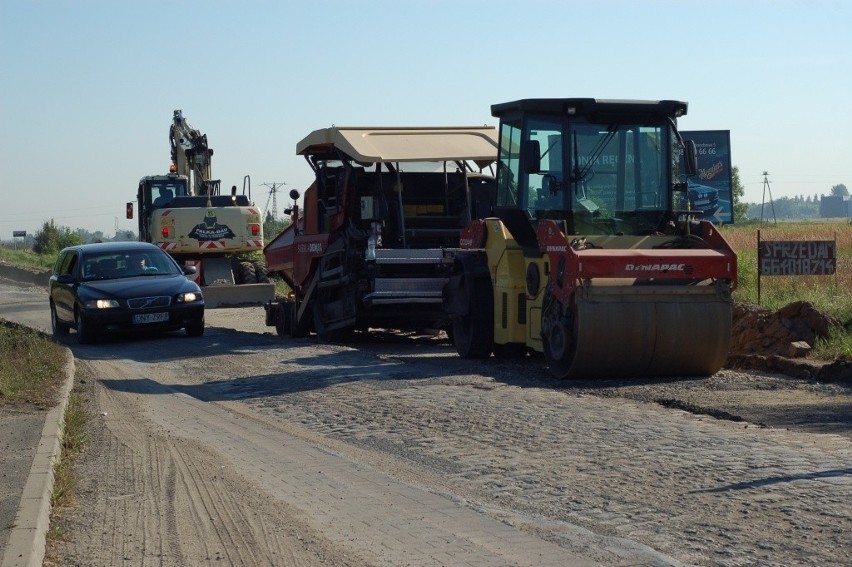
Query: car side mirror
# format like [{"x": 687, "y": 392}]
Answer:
[
  {"x": 190, "y": 270},
  {"x": 65, "y": 279}
]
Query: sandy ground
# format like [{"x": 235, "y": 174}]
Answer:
[{"x": 190, "y": 463}]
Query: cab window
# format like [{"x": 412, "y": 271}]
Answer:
[{"x": 508, "y": 166}]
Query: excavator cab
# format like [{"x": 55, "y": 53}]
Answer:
[{"x": 156, "y": 192}]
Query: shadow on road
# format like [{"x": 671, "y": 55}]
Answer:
[{"x": 757, "y": 483}]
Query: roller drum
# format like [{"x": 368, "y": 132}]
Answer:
[{"x": 639, "y": 331}]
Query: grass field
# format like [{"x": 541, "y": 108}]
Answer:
[
  {"x": 26, "y": 259},
  {"x": 830, "y": 294}
]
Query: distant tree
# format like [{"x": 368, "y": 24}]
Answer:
[
  {"x": 272, "y": 227},
  {"x": 124, "y": 236},
  {"x": 840, "y": 191},
  {"x": 784, "y": 208},
  {"x": 86, "y": 236},
  {"x": 737, "y": 194},
  {"x": 50, "y": 239}
]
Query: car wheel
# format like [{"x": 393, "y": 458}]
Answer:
[
  {"x": 59, "y": 329},
  {"x": 85, "y": 331},
  {"x": 195, "y": 329}
]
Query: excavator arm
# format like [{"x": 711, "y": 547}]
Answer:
[{"x": 191, "y": 156}]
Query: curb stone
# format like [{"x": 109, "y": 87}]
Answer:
[{"x": 27, "y": 541}]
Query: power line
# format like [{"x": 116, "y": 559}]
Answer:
[
  {"x": 765, "y": 189},
  {"x": 273, "y": 191}
]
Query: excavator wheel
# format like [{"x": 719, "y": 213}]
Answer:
[
  {"x": 247, "y": 273},
  {"x": 261, "y": 274},
  {"x": 473, "y": 332}
]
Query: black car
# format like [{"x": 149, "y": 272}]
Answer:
[{"x": 122, "y": 286}]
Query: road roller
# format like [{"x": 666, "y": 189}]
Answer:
[{"x": 593, "y": 257}]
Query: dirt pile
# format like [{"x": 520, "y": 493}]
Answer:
[
  {"x": 791, "y": 331},
  {"x": 780, "y": 341}
]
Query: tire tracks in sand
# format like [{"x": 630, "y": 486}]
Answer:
[{"x": 144, "y": 490}]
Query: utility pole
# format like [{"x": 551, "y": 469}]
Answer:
[
  {"x": 273, "y": 190},
  {"x": 766, "y": 188}
]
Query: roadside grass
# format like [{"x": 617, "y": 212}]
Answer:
[
  {"x": 281, "y": 287},
  {"x": 31, "y": 374},
  {"x": 30, "y": 367},
  {"x": 829, "y": 294},
  {"x": 74, "y": 439},
  {"x": 27, "y": 258}
]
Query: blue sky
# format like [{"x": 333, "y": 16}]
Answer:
[{"x": 88, "y": 88}]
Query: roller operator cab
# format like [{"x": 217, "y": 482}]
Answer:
[{"x": 594, "y": 258}]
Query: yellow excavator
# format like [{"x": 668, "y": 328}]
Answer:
[
  {"x": 593, "y": 257},
  {"x": 184, "y": 213}
]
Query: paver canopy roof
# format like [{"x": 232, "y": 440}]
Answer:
[{"x": 371, "y": 145}]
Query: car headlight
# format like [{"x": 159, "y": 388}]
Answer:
[
  {"x": 189, "y": 297},
  {"x": 101, "y": 304}
]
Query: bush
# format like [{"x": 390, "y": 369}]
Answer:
[{"x": 50, "y": 239}]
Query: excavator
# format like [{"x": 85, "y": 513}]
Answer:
[
  {"x": 185, "y": 214},
  {"x": 594, "y": 258}
]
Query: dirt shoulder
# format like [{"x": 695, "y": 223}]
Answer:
[
  {"x": 28, "y": 276},
  {"x": 147, "y": 496}
]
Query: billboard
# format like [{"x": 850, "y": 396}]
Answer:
[{"x": 711, "y": 191}]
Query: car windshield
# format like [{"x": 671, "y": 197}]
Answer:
[{"x": 127, "y": 264}]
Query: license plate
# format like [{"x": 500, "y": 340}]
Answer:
[{"x": 150, "y": 318}]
